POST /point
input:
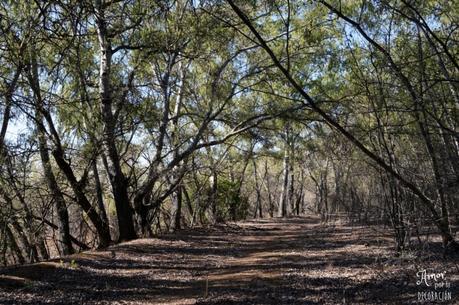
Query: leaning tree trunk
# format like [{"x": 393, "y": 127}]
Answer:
[
  {"x": 15, "y": 249},
  {"x": 29, "y": 252},
  {"x": 99, "y": 193},
  {"x": 423, "y": 124},
  {"x": 64, "y": 242}
]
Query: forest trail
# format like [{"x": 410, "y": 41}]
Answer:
[{"x": 275, "y": 261}]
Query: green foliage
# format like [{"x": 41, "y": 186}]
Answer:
[
  {"x": 186, "y": 77},
  {"x": 230, "y": 202}
]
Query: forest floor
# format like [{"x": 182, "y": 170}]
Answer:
[{"x": 275, "y": 261}]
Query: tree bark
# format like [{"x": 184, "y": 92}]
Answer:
[
  {"x": 14, "y": 246},
  {"x": 258, "y": 205},
  {"x": 283, "y": 201},
  {"x": 213, "y": 195},
  {"x": 118, "y": 181},
  {"x": 176, "y": 213},
  {"x": 62, "y": 217},
  {"x": 99, "y": 193}
]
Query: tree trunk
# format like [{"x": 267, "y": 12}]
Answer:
[
  {"x": 99, "y": 193},
  {"x": 258, "y": 205},
  {"x": 176, "y": 213},
  {"x": 188, "y": 203},
  {"x": 213, "y": 195},
  {"x": 421, "y": 119},
  {"x": 117, "y": 179},
  {"x": 14, "y": 246},
  {"x": 268, "y": 190},
  {"x": 300, "y": 198},
  {"x": 62, "y": 217},
  {"x": 282, "y": 209},
  {"x": 291, "y": 192},
  {"x": 22, "y": 242}
]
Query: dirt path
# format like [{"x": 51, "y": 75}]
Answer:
[{"x": 292, "y": 261}]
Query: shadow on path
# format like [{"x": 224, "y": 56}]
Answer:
[{"x": 275, "y": 261}]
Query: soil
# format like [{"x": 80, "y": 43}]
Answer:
[{"x": 273, "y": 261}]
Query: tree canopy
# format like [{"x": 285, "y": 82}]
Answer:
[{"x": 125, "y": 119}]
